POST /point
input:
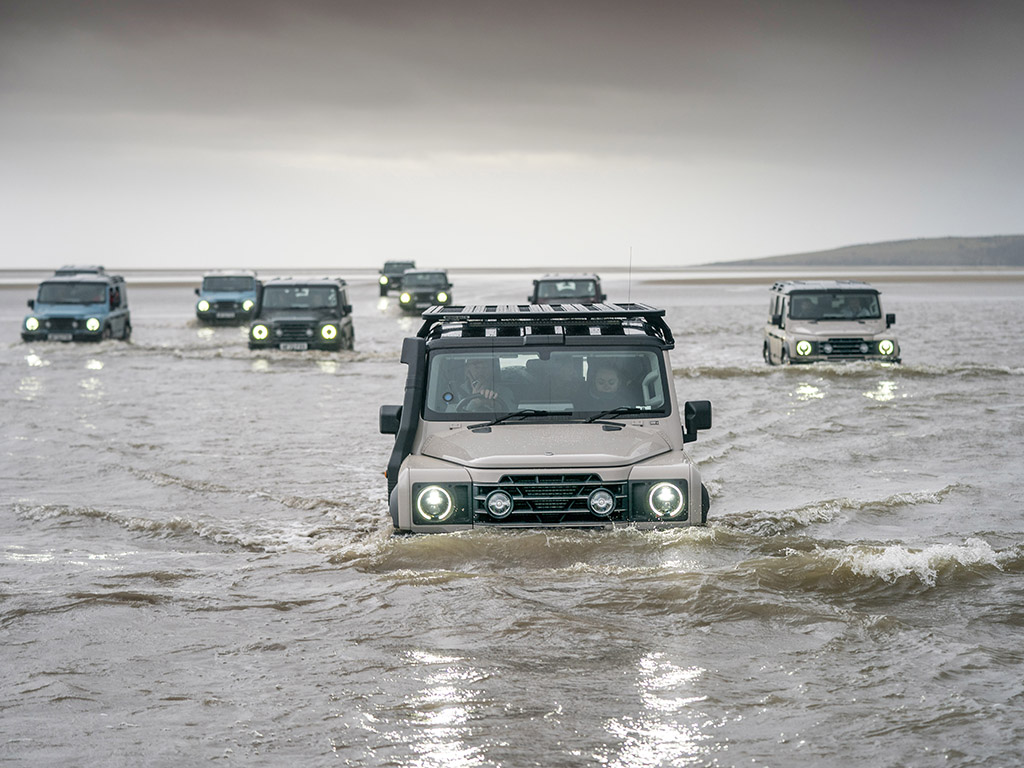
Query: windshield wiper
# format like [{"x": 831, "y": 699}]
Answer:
[
  {"x": 525, "y": 412},
  {"x": 622, "y": 410}
]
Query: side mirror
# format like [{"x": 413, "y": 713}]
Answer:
[
  {"x": 604, "y": 297},
  {"x": 390, "y": 417},
  {"x": 696, "y": 416},
  {"x": 890, "y": 319},
  {"x": 776, "y": 319},
  {"x": 197, "y": 291},
  {"x": 346, "y": 308},
  {"x": 31, "y": 303}
]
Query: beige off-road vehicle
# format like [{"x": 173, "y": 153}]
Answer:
[
  {"x": 811, "y": 321},
  {"x": 542, "y": 416}
]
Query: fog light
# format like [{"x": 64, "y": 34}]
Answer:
[
  {"x": 665, "y": 500},
  {"x": 826, "y": 348},
  {"x": 260, "y": 332},
  {"x": 499, "y": 504},
  {"x": 803, "y": 347},
  {"x": 863, "y": 348},
  {"x": 92, "y": 324},
  {"x": 601, "y": 502},
  {"x": 203, "y": 305},
  {"x": 434, "y": 503},
  {"x": 886, "y": 347}
]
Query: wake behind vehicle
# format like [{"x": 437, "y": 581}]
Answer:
[
  {"x": 303, "y": 314},
  {"x": 391, "y": 275},
  {"x": 79, "y": 306},
  {"x": 567, "y": 289},
  {"x": 820, "y": 320},
  {"x": 527, "y": 416},
  {"x": 423, "y": 288},
  {"x": 228, "y": 297}
]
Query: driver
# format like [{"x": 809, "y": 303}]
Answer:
[{"x": 479, "y": 382}]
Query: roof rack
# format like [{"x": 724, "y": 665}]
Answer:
[
  {"x": 782, "y": 285},
  {"x": 482, "y": 320}
]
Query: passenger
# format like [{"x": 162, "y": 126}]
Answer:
[{"x": 604, "y": 382}]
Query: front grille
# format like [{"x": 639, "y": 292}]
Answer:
[
  {"x": 549, "y": 500},
  {"x": 846, "y": 347},
  {"x": 226, "y": 306},
  {"x": 61, "y": 324},
  {"x": 293, "y": 332}
]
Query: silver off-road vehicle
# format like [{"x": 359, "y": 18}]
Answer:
[
  {"x": 542, "y": 416},
  {"x": 811, "y": 321}
]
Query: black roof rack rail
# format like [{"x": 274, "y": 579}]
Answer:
[{"x": 520, "y": 319}]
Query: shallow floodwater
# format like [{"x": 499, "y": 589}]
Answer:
[{"x": 197, "y": 564}]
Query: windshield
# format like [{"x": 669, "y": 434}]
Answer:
[
  {"x": 300, "y": 297},
  {"x": 398, "y": 266},
  {"x": 834, "y": 305},
  {"x": 580, "y": 382},
  {"x": 225, "y": 283},
  {"x": 566, "y": 289},
  {"x": 72, "y": 293},
  {"x": 424, "y": 279}
]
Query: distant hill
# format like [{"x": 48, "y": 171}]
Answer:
[{"x": 999, "y": 251}]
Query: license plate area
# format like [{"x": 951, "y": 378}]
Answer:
[
  {"x": 294, "y": 346},
  {"x": 60, "y": 337}
]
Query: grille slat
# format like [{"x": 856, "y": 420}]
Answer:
[
  {"x": 550, "y": 499},
  {"x": 293, "y": 332},
  {"x": 846, "y": 347}
]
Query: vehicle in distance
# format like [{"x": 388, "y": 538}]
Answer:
[
  {"x": 423, "y": 288},
  {"x": 567, "y": 289},
  {"x": 303, "y": 314},
  {"x": 526, "y": 416},
  {"x": 391, "y": 275},
  {"x": 229, "y": 297},
  {"x": 79, "y": 306},
  {"x": 811, "y": 321}
]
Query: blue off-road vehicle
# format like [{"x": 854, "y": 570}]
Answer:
[
  {"x": 228, "y": 297},
  {"x": 79, "y": 306}
]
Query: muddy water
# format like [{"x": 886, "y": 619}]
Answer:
[{"x": 196, "y": 562}]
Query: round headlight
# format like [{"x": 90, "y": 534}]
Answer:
[
  {"x": 260, "y": 332},
  {"x": 31, "y": 324},
  {"x": 665, "y": 500},
  {"x": 434, "y": 503},
  {"x": 601, "y": 502},
  {"x": 383, "y": 279},
  {"x": 248, "y": 304},
  {"x": 499, "y": 504},
  {"x": 329, "y": 332},
  {"x": 442, "y": 296},
  {"x": 886, "y": 347},
  {"x": 803, "y": 347},
  {"x": 405, "y": 298},
  {"x": 203, "y": 305},
  {"x": 92, "y": 324}
]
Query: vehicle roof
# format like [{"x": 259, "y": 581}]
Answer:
[
  {"x": 85, "y": 277},
  {"x": 511, "y": 321},
  {"x": 70, "y": 269},
  {"x": 569, "y": 276},
  {"x": 295, "y": 281},
  {"x": 788, "y": 286},
  {"x": 230, "y": 273},
  {"x": 393, "y": 262},
  {"x": 428, "y": 271}
]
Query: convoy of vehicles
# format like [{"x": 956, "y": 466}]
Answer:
[
  {"x": 391, "y": 275},
  {"x": 542, "y": 416},
  {"x": 79, "y": 304},
  {"x": 827, "y": 320},
  {"x": 567, "y": 289},
  {"x": 303, "y": 314},
  {"x": 229, "y": 297},
  {"x": 422, "y": 288}
]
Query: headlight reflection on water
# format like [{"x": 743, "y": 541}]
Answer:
[{"x": 669, "y": 731}]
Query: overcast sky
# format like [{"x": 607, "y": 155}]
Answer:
[{"x": 206, "y": 133}]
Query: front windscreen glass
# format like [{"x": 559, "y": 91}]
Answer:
[
  {"x": 577, "y": 382},
  {"x": 424, "y": 279},
  {"x": 227, "y": 283},
  {"x": 72, "y": 293},
  {"x": 565, "y": 289},
  {"x": 834, "y": 305},
  {"x": 300, "y": 297}
]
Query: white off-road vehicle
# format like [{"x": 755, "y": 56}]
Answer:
[
  {"x": 811, "y": 321},
  {"x": 542, "y": 416}
]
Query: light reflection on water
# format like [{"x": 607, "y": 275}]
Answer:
[
  {"x": 669, "y": 730},
  {"x": 807, "y": 391},
  {"x": 884, "y": 392}
]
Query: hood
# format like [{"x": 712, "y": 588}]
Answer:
[
  {"x": 516, "y": 446},
  {"x": 847, "y": 328}
]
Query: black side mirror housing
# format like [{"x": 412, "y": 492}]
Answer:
[
  {"x": 890, "y": 319},
  {"x": 776, "y": 319},
  {"x": 197, "y": 291},
  {"x": 31, "y": 303},
  {"x": 696, "y": 416},
  {"x": 390, "y": 417}
]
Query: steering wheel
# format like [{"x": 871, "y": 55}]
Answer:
[{"x": 490, "y": 404}]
